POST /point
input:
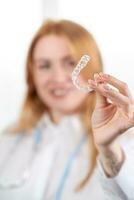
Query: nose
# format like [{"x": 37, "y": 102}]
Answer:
[{"x": 59, "y": 74}]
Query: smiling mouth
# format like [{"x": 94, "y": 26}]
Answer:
[{"x": 59, "y": 92}]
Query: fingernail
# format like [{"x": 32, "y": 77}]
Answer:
[
  {"x": 101, "y": 73},
  {"x": 105, "y": 75},
  {"x": 96, "y": 76},
  {"x": 106, "y": 87}
]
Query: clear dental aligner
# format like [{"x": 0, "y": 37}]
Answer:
[{"x": 81, "y": 64}]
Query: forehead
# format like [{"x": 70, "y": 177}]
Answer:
[{"x": 52, "y": 46}]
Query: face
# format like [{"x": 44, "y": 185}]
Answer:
[{"x": 53, "y": 63}]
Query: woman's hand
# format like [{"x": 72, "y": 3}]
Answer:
[
  {"x": 110, "y": 119},
  {"x": 113, "y": 115}
]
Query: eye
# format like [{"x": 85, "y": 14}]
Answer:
[
  {"x": 45, "y": 66},
  {"x": 70, "y": 63}
]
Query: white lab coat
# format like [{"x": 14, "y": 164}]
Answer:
[{"x": 58, "y": 141}]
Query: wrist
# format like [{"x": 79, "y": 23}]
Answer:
[{"x": 112, "y": 158}]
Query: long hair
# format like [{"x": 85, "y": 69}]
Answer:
[{"x": 81, "y": 42}]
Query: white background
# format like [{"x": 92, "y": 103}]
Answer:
[{"x": 110, "y": 21}]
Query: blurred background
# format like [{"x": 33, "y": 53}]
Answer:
[{"x": 111, "y": 23}]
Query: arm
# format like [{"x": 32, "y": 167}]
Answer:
[
  {"x": 112, "y": 158},
  {"x": 112, "y": 117},
  {"x": 123, "y": 182}
]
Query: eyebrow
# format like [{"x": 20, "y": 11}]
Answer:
[
  {"x": 67, "y": 57},
  {"x": 40, "y": 60}
]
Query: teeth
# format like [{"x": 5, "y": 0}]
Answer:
[{"x": 59, "y": 92}]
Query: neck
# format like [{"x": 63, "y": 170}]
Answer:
[{"x": 56, "y": 116}]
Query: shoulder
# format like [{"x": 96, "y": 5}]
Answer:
[{"x": 7, "y": 138}]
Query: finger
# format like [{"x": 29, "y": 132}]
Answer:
[
  {"x": 120, "y": 85},
  {"x": 115, "y": 96},
  {"x": 101, "y": 100},
  {"x": 121, "y": 101},
  {"x": 98, "y": 78}
]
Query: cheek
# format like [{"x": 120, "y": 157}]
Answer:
[
  {"x": 76, "y": 98},
  {"x": 41, "y": 88},
  {"x": 40, "y": 81}
]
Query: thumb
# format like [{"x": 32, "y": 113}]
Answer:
[{"x": 101, "y": 101}]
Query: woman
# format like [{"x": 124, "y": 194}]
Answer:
[{"x": 53, "y": 151}]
